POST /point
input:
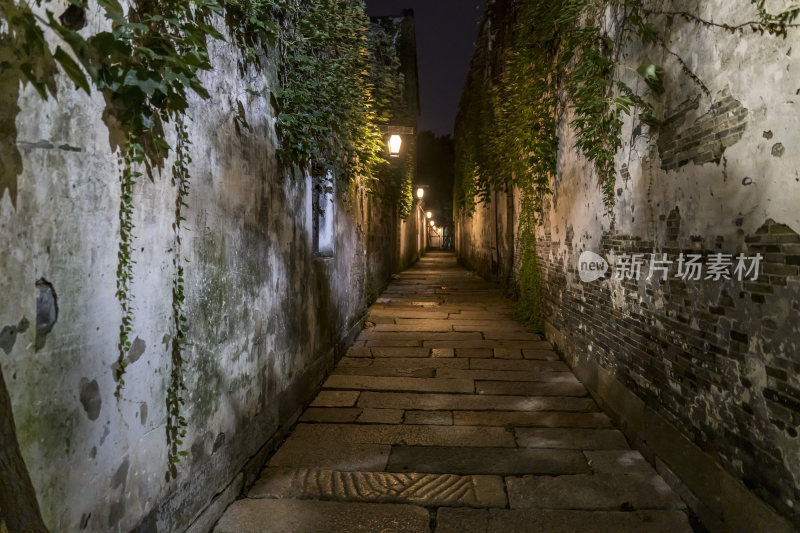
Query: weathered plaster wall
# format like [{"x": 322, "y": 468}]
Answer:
[
  {"x": 265, "y": 316},
  {"x": 718, "y": 360},
  {"x": 411, "y": 235},
  {"x": 485, "y": 239},
  {"x": 475, "y": 240}
]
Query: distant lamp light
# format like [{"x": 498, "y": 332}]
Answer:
[
  {"x": 395, "y": 142},
  {"x": 433, "y": 224},
  {"x": 429, "y": 214},
  {"x": 420, "y": 193}
]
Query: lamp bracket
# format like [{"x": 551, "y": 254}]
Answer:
[{"x": 397, "y": 130}]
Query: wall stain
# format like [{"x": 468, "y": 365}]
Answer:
[
  {"x": 90, "y": 398},
  {"x": 46, "y": 311},
  {"x": 136, "y": 351},
  {"x": 120, "y": 477},
  {"x": 8, "y": 336}
]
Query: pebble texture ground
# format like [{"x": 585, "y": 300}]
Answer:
[{"x": 447, "y": 415}]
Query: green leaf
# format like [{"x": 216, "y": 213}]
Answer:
[
  {"x": 650, "y": 120},
  {"x": 653, "y": 75},
  {"x": 40, "y": 87},
  {"x": 72, "y": 69},
  {"x": 648, "y": 32},
  {"x": 624, "y": 103}
]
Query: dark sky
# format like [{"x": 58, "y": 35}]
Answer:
[{"x": 446, "y": 30}]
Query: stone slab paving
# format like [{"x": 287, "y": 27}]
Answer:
[
  {"x": 609, "y": 492},
  {"x": 298, "y": 452},
  {"x": 335, "y": 414},
  {"x": 413, "y": 435},
  {"x": 455, "y": 402},
  {"x": 308, "y": 516},
  {"x": 381, "y": 416},
  {"x": 434, "y": 418},
  {"x": 431, "y": 490},
  {"x": 528, "y": 388},
  {"x": 450, "y": 520},
  {"x": 518, "y": 366},
  {"x": 398, "y": 364},
  {"x": 508, "y": 375},
  {"x": 446, "y": 415},
  {"x": 335, "y": 399},
  {"x": 617, "y": 462},
  {"x": 338, "y": 381},
  {"x": 572, "y": 438},
  {"x": 558, "y": 419},
  {"x": 501, "y": 461}
]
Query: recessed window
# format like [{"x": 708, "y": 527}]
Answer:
[{"x": 323, "y": 210}]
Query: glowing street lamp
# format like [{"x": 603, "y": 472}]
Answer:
[
  {"x": 395, "y": 142},
  {"x": 429, "y": 214},
  {"x": 433, "y": 224},
  {"x": 420, "y": 193}
]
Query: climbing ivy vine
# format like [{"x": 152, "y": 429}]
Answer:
[
  {"x": 325, "y": 106},
  {"x": 338, "y": 84},
  {"x": 561, "y": 59},
  {"x": 406, "y": 196},
  {"x": 176, "y": 422},
  {"x": 131, "y": 157},
  {"x": 569, "y": 45}
]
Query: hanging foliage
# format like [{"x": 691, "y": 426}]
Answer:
[
  {"x": 338, "y": 84},
  {"x": 131, "y": 158},
  {"x": 176, "y": 422},
  {"x": 569, "y": 45},
  {"x": 547, "y": 60},
  {"x": 326, "y": 112}
]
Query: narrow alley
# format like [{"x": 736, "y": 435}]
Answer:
[
  {"x": 447, "y": 415},
  {"x": 386, "y": 266}
]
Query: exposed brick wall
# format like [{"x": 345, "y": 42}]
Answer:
[
  {"x": 688, "y": 348},
  {"x": 707, "y": 138}
]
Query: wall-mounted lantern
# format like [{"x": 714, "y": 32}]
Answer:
[
  {"x": 395, "y": 134},
  {"x": 395, "y": 143},
  {"x": 433, "y": 224},
  {"x": 420, "y": 193},
  {"x": 429, "y": 214}
]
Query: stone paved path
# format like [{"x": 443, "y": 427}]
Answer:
[{"x": 446, "y": 415}]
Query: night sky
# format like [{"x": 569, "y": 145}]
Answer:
[{"x": 446, "y": 31}]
